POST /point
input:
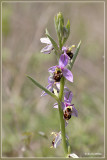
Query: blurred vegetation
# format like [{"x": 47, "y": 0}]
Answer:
[
  {"x": 6, "y": 14},
  {"x": 29, "y": 119}
]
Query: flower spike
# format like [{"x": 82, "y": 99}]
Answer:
[{"x": 56, "y": 87}]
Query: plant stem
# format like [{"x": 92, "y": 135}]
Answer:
[
  {"x": 62, "y": 122},
  {"x": 62, "y": 82},
  {"x": 67, "y": 149}
]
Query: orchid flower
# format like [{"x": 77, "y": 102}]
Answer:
[
  {"x": 68, "y": 51},
  {"x": 59, "y": 71},
  {"x": 49, "y": 46},
  {"x": 57, "y": 139},
  {"x": 68, "y": 109}
]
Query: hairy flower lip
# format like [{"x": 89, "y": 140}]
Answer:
[
  {"x": 67, "y": 51},
  {"x": 65, "y": 105},
  {"x": 73, "y": 112}
]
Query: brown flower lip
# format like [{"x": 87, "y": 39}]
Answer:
[
  {"x": 57, "y": 76},
  {"x": 67, "y": 113},
  {"x": 70, "y": 54}
]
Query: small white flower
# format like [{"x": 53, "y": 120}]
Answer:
[{"x": 47, "y": 49}]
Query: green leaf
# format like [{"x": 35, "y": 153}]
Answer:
[
  {"x": 52, "y": 41},
  {"x": 67, "y": 32},
  {"x": 68, "y": 26},
  {"x": 74, "y": 57},
  {"x": 43, "y": 88}
]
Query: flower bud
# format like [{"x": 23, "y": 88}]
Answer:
[
  {"x": 60, "y": 18},
  {"x": 60, "y": 23}
]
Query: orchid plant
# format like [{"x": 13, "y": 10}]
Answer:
[{"x": 56, "y": 82}]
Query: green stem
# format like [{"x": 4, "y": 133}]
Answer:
[
  {"x": 62, "y": 82},
  {"x": 62, "y": 122}
]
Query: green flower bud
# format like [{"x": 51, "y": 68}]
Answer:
[{"x": 60, "y": 18}]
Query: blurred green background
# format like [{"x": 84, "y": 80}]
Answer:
[{"x": 24, "y": 112}]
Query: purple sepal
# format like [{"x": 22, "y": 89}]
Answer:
[
  {"x": 52, "y": 69},
  {"x": 68, "y": 97},
  {"x": 56, "y": 105},
  {"x": 63, "y": 61},
  {"x": 74, "y": 111},
  {"x": 63, "y": 106},
  {"x": 67, "y": 74},
  {"x": 57, "y": 140},
  {"x": 50, "y": 80},
  {"x": 47, "y": 49}
]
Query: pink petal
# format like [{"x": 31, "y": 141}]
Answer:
[
  {"x": 67, "y": 74},
  {"x": 63, "y": 61}
]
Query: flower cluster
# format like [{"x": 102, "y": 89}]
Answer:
[
  {"x": 56, "y": 73},
  {"x": 56, "y": 81}
]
